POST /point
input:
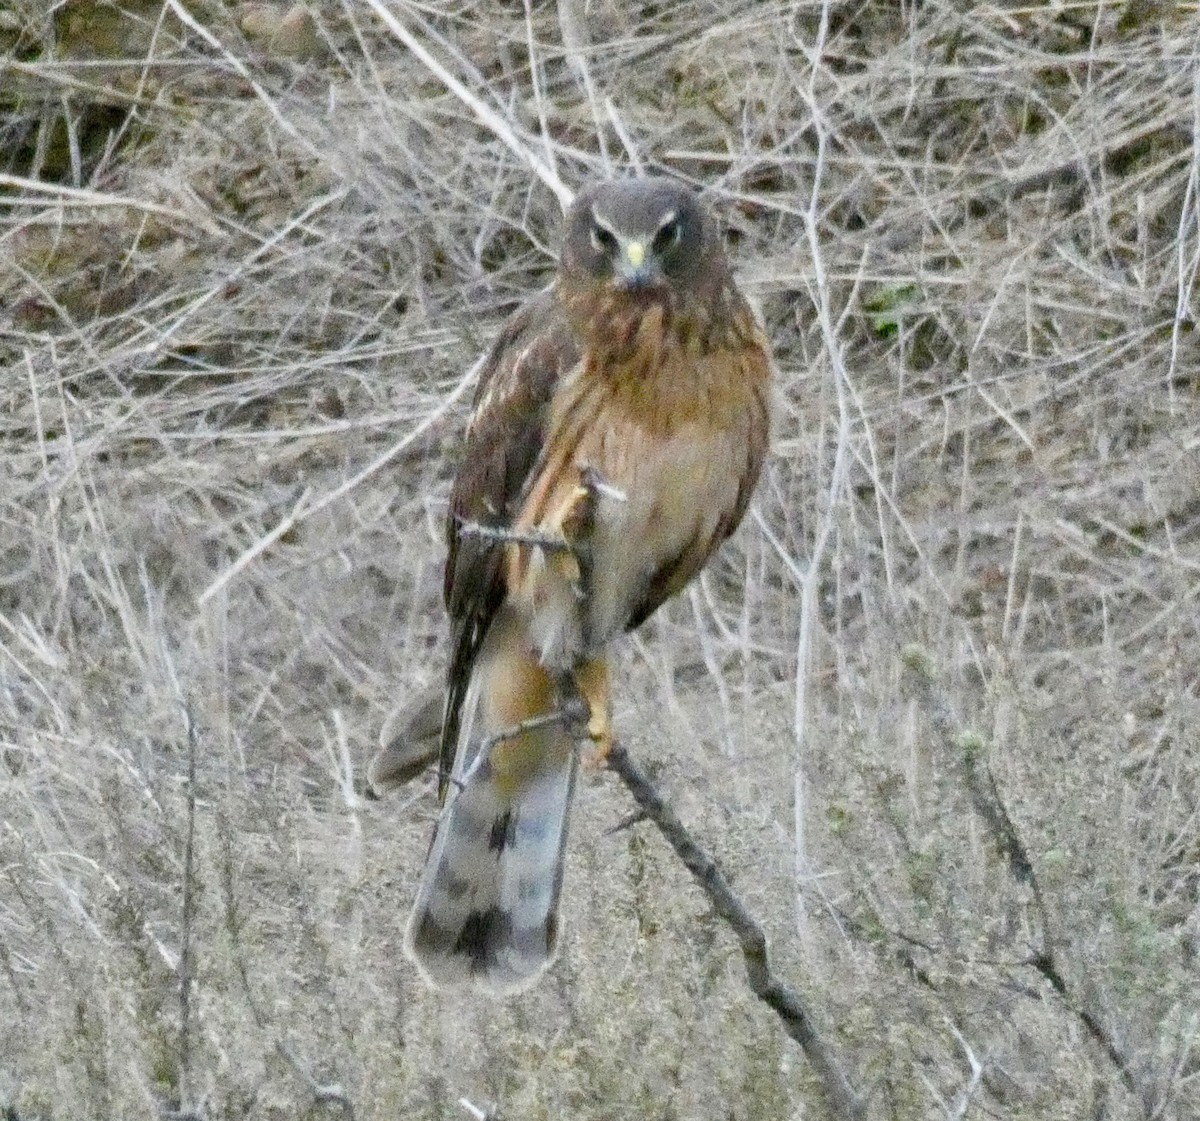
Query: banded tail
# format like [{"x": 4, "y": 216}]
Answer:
[{"x": 486, "y": 912}]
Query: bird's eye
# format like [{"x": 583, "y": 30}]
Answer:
[
  {"x": 603, "y": 239},
  {"x": 668, "y": 236}
]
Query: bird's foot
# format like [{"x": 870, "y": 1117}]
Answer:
[{"x": 593, "y": 681}]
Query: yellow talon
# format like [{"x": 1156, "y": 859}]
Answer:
[{"x": 592, "y": 678}]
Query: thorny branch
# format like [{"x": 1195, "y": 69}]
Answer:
[
  {"x": 784, "y": 1001},
  {"x": 571, "y": 711},
  {"x": 323, "y": 1094},
  {"x": 969, "y": 750},
  {"x": 544, "y": 541}
]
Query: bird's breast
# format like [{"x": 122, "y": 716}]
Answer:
[{"x": 668, "y": 433}]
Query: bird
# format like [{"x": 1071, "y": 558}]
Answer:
[{"x": 619, "y": 427}]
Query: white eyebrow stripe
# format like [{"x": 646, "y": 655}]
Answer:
[
  {"x": 668, "y": 218},
  {"x": 604, "y": 224}
]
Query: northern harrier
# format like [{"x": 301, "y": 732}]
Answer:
[{"x": 639, "y": 382}]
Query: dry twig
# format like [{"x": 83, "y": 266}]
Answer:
[
  {"x": 330, "y": 1093},
  {"x": 189, "y": 910},
  {"x": 784, "y": 1001},
  {"x": 967, "y": 750}
]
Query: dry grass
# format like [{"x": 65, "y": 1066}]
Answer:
[{"x": 244, "y": 264}]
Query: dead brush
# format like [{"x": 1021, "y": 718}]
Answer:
[{"x": 241, "y": 289}]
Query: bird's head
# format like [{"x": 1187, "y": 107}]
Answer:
[{"x": 643, "y": 237}]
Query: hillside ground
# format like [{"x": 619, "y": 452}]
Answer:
[{"x": 934, "y": 709}]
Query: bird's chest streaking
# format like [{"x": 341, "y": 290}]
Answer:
[{"x": 660, "y": 420}]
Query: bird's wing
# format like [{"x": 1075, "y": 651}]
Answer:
[{"x": 504, "y": 442}]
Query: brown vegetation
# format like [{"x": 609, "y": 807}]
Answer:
[{"x": 934, "y": 710}]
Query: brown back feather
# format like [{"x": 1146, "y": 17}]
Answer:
[{"x": 505, "y": 440}]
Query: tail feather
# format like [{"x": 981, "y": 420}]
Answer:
[{"x": 487, "y": 907}]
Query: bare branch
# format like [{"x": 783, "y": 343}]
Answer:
[
  {"x": 323, "y": 1093},
  {"x": 478, "y": 1114},
  {"x": 977, "y": 1068},
  {"x": 514, "y": 537},
  {"x": 487, "y": 116},
  {"x": 303, "y": 510},
  {"x": 784, "y": 1001},
  {"x": 86, "y": 198},
  {"x": 572, "y": 710},
  {"x": 967, "y": 751},
  {"x": 189, "y": 907}
]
